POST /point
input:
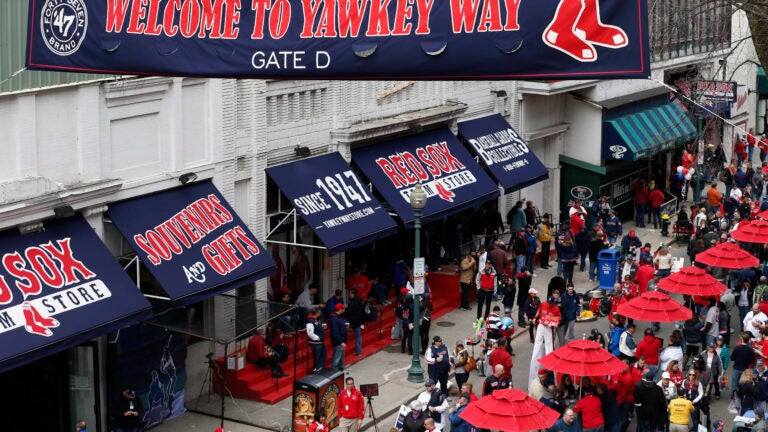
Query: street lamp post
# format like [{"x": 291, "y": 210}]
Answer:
[
  {"x": 418, "y": 200},
  {"x": 699, "y": 114},
  {"x": 697, "y": 190}
]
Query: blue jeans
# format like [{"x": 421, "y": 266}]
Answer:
[
  {"x": 338, "y": 358},
  {"x": 640, "y": 215},
  {"x": 612, "y": 239},
  {"x": 582, "y": 261},
  {"x": 656, "y": 212},
  {"x": 735, "y": 376},
  {"x": 358, "y": 340},
  {"x": 568, "y": 271},
  {"x": 319, "y": 355},
  {"x": 592, "y": 270},
  {"x": 397, "y": 330},
  {"x": 743, "y": 311},
  {"x": 519, "y": 262},
  {"x": 750, "y": 152},
  {"x": 559, "y": 268}
]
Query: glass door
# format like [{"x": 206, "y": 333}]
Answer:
[{"x": 84, "y": 385}]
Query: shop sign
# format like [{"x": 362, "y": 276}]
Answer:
[
  {"x": 581, "y": 192},
  {"x": 717, "y": 90},
  {"x": 619, "y": 191},
  {"x": 332, "y": 39},
  {"x": 618, "y": 151}
]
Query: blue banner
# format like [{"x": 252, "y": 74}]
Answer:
[
  {"x": 503, "y": 152},
  {"x": 341, "y": 39},
  {"x": 58, "y": 288},
  {"x": 192, "y": 241},
  {"x": 451, "y": 178},
  {"x": 333, "y": 200}
]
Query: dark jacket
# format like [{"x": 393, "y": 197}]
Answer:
[
  {"x": 569, "y": 306},
  {"x": 595, "y": 246},
  {"x": 611, "y": 413},
  {"x": 414, "y": 424},
  {"x": 356, "y": 312},
  {"x": 742, "y": 356},
  {"x": 650, "y": 401},
  {"x": 583, "y": 239},
  {"x": 120, "y": 406},
  {"x": 338, "y": 330}
]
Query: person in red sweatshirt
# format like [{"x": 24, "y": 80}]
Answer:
[
  {"x": 623, "y": 386},
  {"x": 590, "y": 408},
  {"x": 649, "y": 348},
  {"x": 351, "y": 407}
]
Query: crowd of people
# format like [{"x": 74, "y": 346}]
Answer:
[{"x": 679, "y": 374}]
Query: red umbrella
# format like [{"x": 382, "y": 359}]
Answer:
[
  {"x": 755, "y": 231},
  {"x": 582, "y": 358},
  {"x": 509, "y": 410},
  {"x": 654, "y": 306},
  {"x": 692, "y": 281},
  {"x": 727, "y": 255},
  {"x": 763, "y": 215}
]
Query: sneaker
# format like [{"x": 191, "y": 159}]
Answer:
[{"x": 466, "y": 309}]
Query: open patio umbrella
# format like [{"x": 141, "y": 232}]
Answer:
[
  {"x": 582, "y": 358},
  {"x": 654, "y": 306},
  {"x": 763, "y": 215},
  {"x": 509, "y": 410},
  {"x": 692, "y": 281},
  {"x": 755, "y": 231},
  {"x": 727, "y": 255}
]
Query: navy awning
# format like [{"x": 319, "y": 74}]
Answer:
[
  {"x": 334, "y": 201},
  {"x": 58, "y": 288},
  {"x": 451, "y": 178},
  {"x": 645, "y": 133},
  {"x": 192, "y": 241},
  {"x": 503, "y": 152}
]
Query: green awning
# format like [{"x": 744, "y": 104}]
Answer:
[
  {"x": 762, "y": 81},
  {"x": 646, "y": 133}
]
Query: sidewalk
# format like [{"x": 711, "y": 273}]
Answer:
[{"x": 388, "y": 367}]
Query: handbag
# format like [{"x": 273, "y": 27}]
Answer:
[
  {"x": 471, "y": 364},
  {"x": 734, "y": 406}
]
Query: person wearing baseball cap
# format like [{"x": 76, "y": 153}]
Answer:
[
  {"x": 126, "y": 411},
  {"x": 438, "y": 362},
  {"x": 548, "y": 317},
  {"x": 434, "y": 401},
  {"x": 339, "y": 327}
]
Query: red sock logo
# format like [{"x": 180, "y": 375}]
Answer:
[
  {"x": 443, "y": 192},
  {"x": 35, "y": 323},
  {"x": 576, "y": 28},
  {"x": 595, "y": 31}
]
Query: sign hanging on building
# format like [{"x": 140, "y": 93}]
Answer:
[
  {"x": 371, "y": 39},
  {"x": 717, "y": 90},
  {"x": 192, "y": 241}
]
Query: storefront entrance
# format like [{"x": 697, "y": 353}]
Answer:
[{"x": 53, "y": 393}]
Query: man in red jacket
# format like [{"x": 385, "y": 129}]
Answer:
[
  {"x": 649, "y": 348},
  {"x": 500, "y": 356},
  {"x": 351, "y": 407},
  {"x": 590, "y": 408}
]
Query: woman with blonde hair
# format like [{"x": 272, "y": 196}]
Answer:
[
  {"x": 663, "y": 261},
  {"x": 747, "y": 391},
  {"x": 675, "y": 374}
]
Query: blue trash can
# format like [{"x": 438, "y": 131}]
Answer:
[{"x": 608, "y": 267}]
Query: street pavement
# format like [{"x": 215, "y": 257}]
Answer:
[{"x": 388, "y": 368}]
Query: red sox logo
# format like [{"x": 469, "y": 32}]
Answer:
[
  {"x": 576, "y": 29},
  {"x": 49, "y": 265},
  {"x": 434, "y": 165}
]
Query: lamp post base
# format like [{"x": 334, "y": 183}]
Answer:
[{"x": 416, "y": 373}]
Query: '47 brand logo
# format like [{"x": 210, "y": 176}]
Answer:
[{"x": 63, "y": 24}]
